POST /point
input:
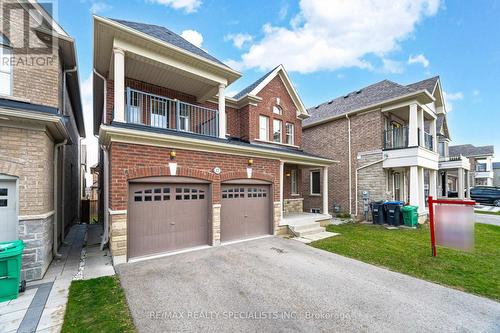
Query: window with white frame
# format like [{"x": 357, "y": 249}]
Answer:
[
  {"x": 276, "y": 130},
  {"x": 315, "y": 182},
  {"x": 293, "y": 181},
  {"x": 290, "y": 133},
  {"x": 264, "y": 128},
  {"x": 5, "y": 66},
  {"x": 277, "y": 109}
]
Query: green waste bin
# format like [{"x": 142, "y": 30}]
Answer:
[
  {"x": 410, "y": 215},
  {"x": 10, "y": 269}
]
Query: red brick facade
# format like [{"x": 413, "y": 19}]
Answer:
[{"x": 128, "y": 161}]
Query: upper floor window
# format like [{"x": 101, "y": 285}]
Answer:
[
  {"x": 276, "y": 130},
  {"x": 277, "y": 109},
  {"x": 264, "y": 128},
  {"x": 290, "y": 133},
  {"x": 441, "y": 149},
  {"x": 5, "y": 66}
]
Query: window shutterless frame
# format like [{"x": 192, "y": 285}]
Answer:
[
  {"x": 315, "y": 182},
  {"x": 277, "y": 130},
  {"x": 264, "y": 128},
  {"x": 6, "y": 77},
  {"x": 290, "y": 133},
  {"x": 293, "y": 181}
]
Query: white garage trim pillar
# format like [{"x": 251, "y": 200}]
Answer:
[
  {"x": 414, "y": 195},
  {"x": 325, "y": 190},
  {"x": 119, "y": 85}
]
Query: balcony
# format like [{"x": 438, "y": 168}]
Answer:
[
  {"x": 428, "y": 141},
  {"x": 162, "y": 112},
  {"x": 396, "y": 138}
]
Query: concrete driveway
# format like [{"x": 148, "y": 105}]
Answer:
[{"x": 274, "y": 284}]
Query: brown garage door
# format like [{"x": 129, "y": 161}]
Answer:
[
  {"x": 245, "y": 211},
  {"x": 166, "y": 217}
]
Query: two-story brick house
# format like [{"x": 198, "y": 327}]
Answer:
[
  {"x": 185, "y": 166},
  {"x": 481, "y": 162},
  {"x": 41, "y": 124},
  {"x": 384, "y": 138}
]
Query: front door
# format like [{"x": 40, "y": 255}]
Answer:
[{"x": 8, "y": 210}]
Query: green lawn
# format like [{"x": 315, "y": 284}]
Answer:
[
  {"x": 97, "y": 305},
  {"x": 408, "y": 251},
  {"x": 487, "y": 213}
]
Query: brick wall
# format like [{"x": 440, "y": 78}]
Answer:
[
  {"x": 331, "y": 140},
  {"x": 36, "y": 77},
  {"x": 28, "y": 154},
  {"x": 269, "y": 94},
  {"x": 124, "y": 158}
]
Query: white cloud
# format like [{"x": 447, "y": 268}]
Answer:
[
  {"x": 99, "y": 7},
  {"x": 418, "y": 59},
  {"x": 90, "y": 140},
  {"x": 189, "y": 6},
  {"x": 238, "y": 39},
  {"x": 449, "y": 98},
  {"x": 327, "y": 35},
  {"x": 392, "y": 66},
  {"x": 193, "y": 36},
  {"x": 475, "y": 93}
]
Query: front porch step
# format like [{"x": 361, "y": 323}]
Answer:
[
  {"x": 314, "y": 237},
  {"x": 306, "y": 229}
]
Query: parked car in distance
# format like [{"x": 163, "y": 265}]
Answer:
[{"x": 489, "y": 195}]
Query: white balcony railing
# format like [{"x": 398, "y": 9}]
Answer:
[{"x": 162, "y": 112}]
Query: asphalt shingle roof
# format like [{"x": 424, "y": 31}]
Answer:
[
  {"x": 253, "y": 85},
  {"x": 470, "y": 150},
  {"x": 168, "y": 36},
  {"x": 370, "y": 95}
]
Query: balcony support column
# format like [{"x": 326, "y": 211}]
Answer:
[
  {"x": 414, "y": 191},
  {"x": 325, "y": 190},
  {"x": 119, "y": 85},
  {"x": 460, "y": 184},
  {"x": 222, "y": 111},
  {"x": 413, "y": 127},
  {"x": 421, "y": 126},
  {"x": 434, "y": 135}
]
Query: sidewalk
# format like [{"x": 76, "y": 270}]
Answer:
[{"x": 41, "y": 308}]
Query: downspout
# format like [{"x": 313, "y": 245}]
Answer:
[
  {"x": 56, "y": 197},
  {"x": 105, "y": 169},
  {"x": 350, "y": 161},
  {"x": 66, "y": 71},
  {"x": 356, "y": 180}
]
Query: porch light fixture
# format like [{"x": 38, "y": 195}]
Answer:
[
  {"x": 173, "y": 154},
  {"x": 288, "y": 174},
  {"x": 250, "y": 162}
]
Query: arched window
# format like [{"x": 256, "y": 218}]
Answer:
[
  {"x": 277, "y": 109},
  {"x": 5, "y": 66}
]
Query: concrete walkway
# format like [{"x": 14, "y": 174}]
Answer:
[
  {"x": 488, "y": 219},
  {"x": 280, "y": 285},
  {"x": 41, "y": 308}
]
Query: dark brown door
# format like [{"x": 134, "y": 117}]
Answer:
[
  {"x": 166, "y": 217},
  {"x": 245, "y": 211}
]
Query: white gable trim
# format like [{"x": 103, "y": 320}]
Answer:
[{"x": 280, "y": 70}]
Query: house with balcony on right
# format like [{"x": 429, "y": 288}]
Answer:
[
  {"x": 496, "y": 174},
  {"x": 385, "y": 138},
  {"x": 481, "y": 162}
]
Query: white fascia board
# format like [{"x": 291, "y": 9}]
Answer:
[
  {"x": 414, "y": 156},
  {"x": 108, "y": 134}
]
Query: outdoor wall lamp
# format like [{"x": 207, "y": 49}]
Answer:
[
  {"x": 250, "y": 162},
  {"x": 173, "y": 154}
]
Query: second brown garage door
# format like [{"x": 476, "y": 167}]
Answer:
[
  {"x": 245, "y": 211},
  {"x": 166, "y": 217}
]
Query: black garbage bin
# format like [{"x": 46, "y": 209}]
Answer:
[
  {"x": 394, "y": 215},
  {"x": 378, "y": 212}
]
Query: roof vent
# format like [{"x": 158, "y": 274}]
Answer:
[
  {"x": 317, "y": 106},
  {"x": 345, "y": 96},
  {"x": 359, "y": 91},
  {"x": 330, "y": 102}
]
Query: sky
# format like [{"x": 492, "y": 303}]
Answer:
[{"x": 329, "y": 48}]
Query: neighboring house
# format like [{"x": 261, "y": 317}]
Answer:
[
  {"x": 41, "y": 123},
  {"x": 454, "y": 170},
  {"x": 496, "y": 174},
  {"x": 185, "y": 166},
  {"x": 480, "y": 159},
  {"x": 384, "y": 137}
]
